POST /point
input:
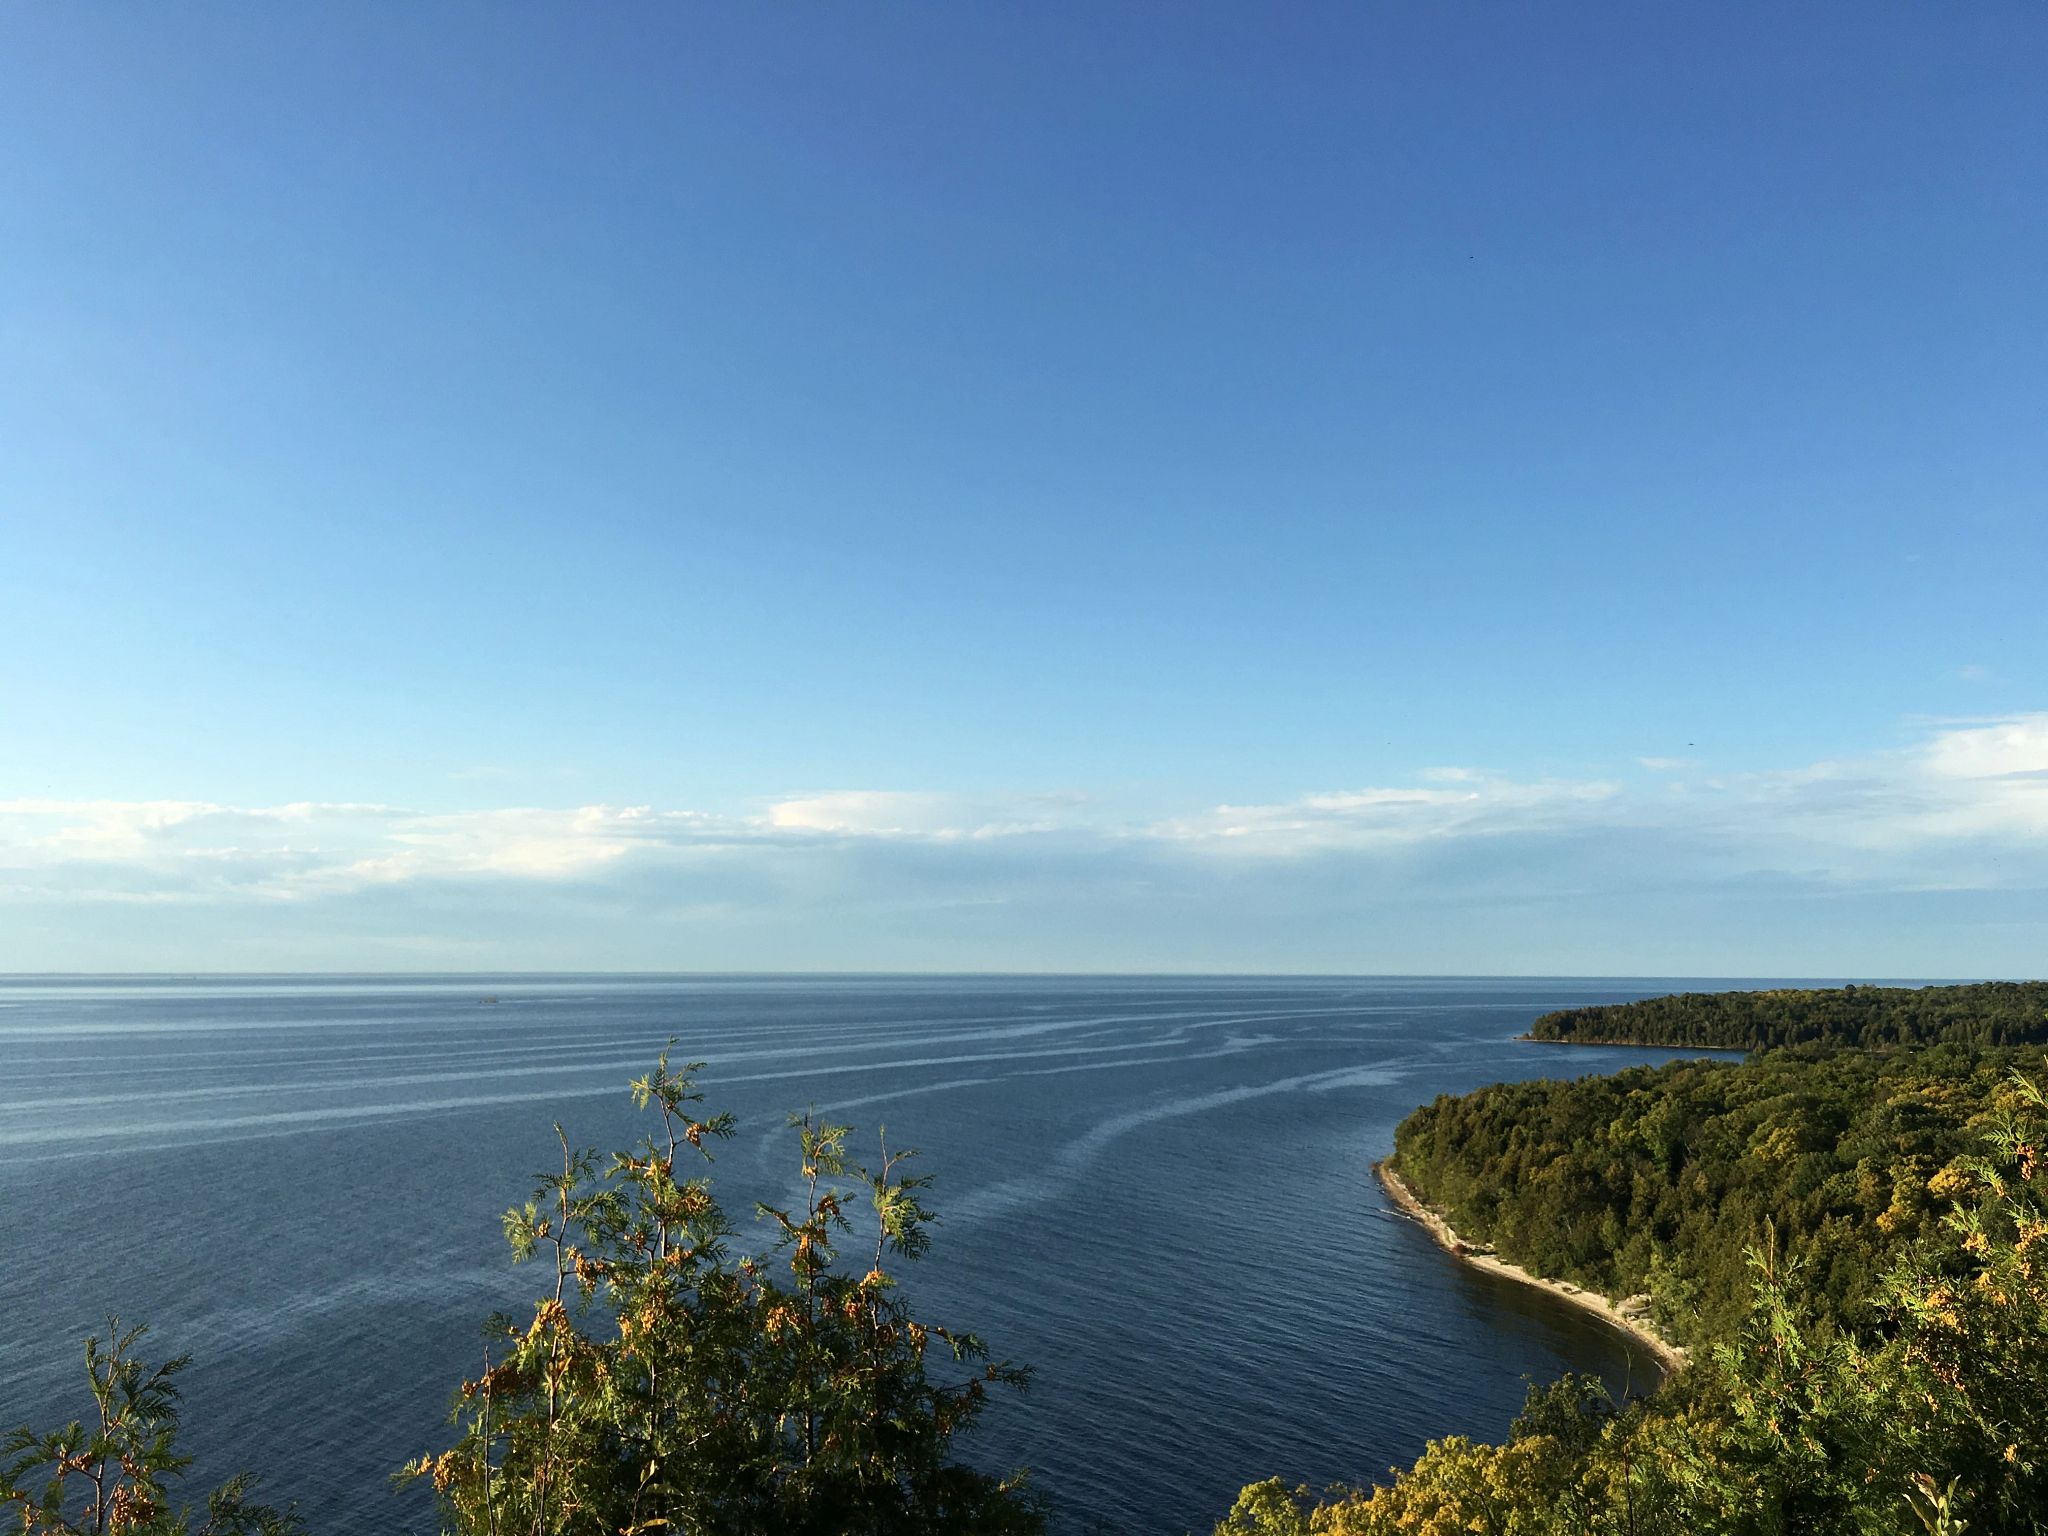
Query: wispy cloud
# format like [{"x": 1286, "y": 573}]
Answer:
[
  {"x": 903, "y": 813},
  {"x": 1964, "y": 808},
  {"x": 1389, "y": 816},
  {"x": 1965, "y": 782}
]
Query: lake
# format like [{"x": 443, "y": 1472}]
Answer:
[{"x": 1156, "y": 1191}]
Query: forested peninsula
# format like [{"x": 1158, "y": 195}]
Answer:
[
  {"x": 1982, "y": 1013},
  {"x": 1848, "y": 1228},
  {"x": 1662, "y": 1179}
]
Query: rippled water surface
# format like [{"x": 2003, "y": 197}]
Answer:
[{"x": 1155, "y": 1191}]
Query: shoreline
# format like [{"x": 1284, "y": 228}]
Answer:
[
  {"x": 1633, "y": 1045},
  {"x": 1668, "y": 1356}
]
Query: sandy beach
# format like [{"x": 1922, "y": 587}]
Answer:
[
  {"x": 1636, "y": 1045},
  {"x": 1629, "y": 1317}
]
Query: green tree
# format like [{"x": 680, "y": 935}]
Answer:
[
  {"x": 1970, "y": 1365},
  {"x": 1805, "y": 1422},
  {"x": 1270, "y": 1508},
  {"x": 111, "y": 1476},
  {"x": 665, "y": 1384}
]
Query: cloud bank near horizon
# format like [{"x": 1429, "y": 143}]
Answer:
[{"x": 1946, "y": 839}]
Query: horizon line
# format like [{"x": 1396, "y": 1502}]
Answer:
[{"x": 940, "y": 975}]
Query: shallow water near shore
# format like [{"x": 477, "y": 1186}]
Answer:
[{"x": 1155, "y": 1191}]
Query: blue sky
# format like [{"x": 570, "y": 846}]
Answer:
[{"x": 1559, "y": 488}]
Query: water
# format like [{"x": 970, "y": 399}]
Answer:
[{"x": 1156, "y": 1191}]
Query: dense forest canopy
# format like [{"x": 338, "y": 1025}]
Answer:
[
  {"x": 1660, "y": 1179},
  {"x": 1982, "y": 1013},
  {"x": 1854, "y": 1242}
]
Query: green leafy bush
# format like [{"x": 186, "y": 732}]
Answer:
[{"x": 665, "y": 1385}]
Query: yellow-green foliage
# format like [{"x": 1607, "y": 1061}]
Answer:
[{"x": 665, "y": 1385}]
